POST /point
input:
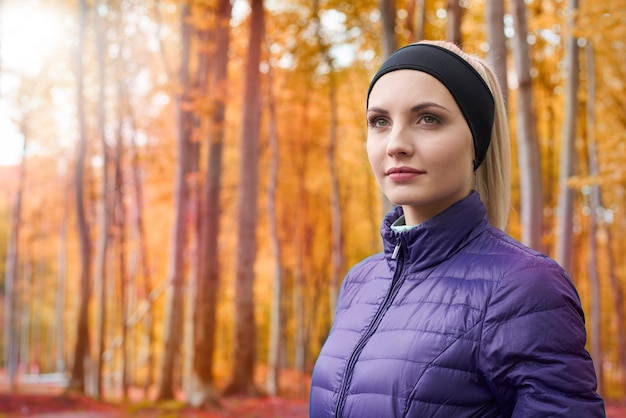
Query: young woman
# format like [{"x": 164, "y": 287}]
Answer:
[{"x": 454, "y": 318}]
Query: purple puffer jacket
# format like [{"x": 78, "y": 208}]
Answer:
[{"x": 455, "y": 319}]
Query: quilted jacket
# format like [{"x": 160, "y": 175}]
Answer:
[{"x": 455, "y": 319}]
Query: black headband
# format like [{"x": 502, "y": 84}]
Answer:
[{"x": 468, "y": 88}]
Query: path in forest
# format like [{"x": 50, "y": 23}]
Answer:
[
  {"x": 13, "y": 405},
  {"x": 47, "y": 401},
  {"x": 42, "y": 396}
]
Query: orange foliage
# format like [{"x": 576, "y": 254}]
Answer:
[{"x": 143, "y": 46}]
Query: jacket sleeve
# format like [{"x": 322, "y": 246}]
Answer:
[{"x": 532, "y": 352}]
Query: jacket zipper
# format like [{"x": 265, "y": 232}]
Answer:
[{"x": 393, "y": 290}]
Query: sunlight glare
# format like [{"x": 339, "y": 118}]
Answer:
[
  {"x": 30, "y": 33},
  {"x": 11, "y": 144}
]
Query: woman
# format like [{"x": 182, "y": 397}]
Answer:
[{"x": 454, "y": 318}]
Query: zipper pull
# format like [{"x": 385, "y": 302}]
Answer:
[{"x": 396, "y": 250}]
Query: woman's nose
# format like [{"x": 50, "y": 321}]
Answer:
[{"x": 399, "y": 142}]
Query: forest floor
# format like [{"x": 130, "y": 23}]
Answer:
[
  {"x": 63, "y": 406},
  {"x": 14, "y": 405},
  {"x": 49, "y": 401},
  {"x": 45, "y": 399}
]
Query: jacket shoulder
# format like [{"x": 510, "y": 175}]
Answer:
[
  {"x": 373, "y": 265},
  {"x": 533, "y": 321}
]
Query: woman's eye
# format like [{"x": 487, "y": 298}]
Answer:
[
  {"x": 429, "y": 119},
  {"x": 377, "y": 122}
]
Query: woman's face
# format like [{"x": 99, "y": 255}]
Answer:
[{"x": 419, "y": 144}]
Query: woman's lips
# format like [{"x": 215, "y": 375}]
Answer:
[{"x": 401, "y": 174}]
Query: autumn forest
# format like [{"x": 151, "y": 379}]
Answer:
[{"x": 191, "y": 183}]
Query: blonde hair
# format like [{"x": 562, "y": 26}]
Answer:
[{"x": 492, "y": 180}]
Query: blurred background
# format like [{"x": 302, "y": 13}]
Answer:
[{"x": 183, "y": 184}]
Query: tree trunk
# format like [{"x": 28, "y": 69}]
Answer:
[
  {"x": 40, "y": 347},
  {"x": 336, "y": 227},
  {"x": 529, "y": 157},
  {"x": 337, "y": 252},
  {"x": 120, "y": 228},
  {"x": 388, "y": 15},
  {"x": 496, "y": 56},
  {"x": 146, "y": 271},
  {"x": 302, "y": 303},
  {"x": 595, "y": 204},
  {"x": 301, "y": 243},
  {"x": 11, "y": 320},
  {"x": 23, "y": 296},
  {"x": 620, "y": 311},
  {"x": 453, "y": 28},
  {"x": 142, "y": 309},
  {"x": 390, "y": 45},
  {"x": 104, "y": 215},
  {"x": 202, "y": 392},
  {"x": 273, "y": 372},
  {"x": 176, "y": 271},
  {"x": 242, "y": 378},
  {"x": 60, "y": 290},
  {"x": 563, "y": 251},
  {"x": 81, "y": 349},
  {"x": 416, "y": 20},
  {"x": 201, "y": 36}
]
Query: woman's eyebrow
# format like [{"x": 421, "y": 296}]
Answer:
[
  {"x": 378, "y": 110},
  {"x": 426, "y": 105},
  {"x": 414, "y": 109}
]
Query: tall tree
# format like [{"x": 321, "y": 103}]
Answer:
[
  {"x": 453, "y": 27},
  {"x": 176, "y": 265},
  {"x": 416, "y": 20},
  {"x": 105, "y": 207},
  {"x": 276, "y": 313},
  {"x": 497, "y": 43},
  {"x": 138, "y": 223},
  {"x": 337, "y": 257},
  {"x": 11, "y": 319},
  {"x": 390, "y": 45},
  {"x": 61, "y": 279},
  {"x": 244, "y": 358},
  {"x": 301, "y": 237},
  {"x": 529, "y": 156},
  {"x": 595, "y": 204},
  {"x": 388, "y": 15},
  {"x": 565, "y": 206},
  {"x": 119, "y": 210},
  {"x": 208, "y": 280},
  {"x": 24, "y": 296},
  {"x": 81, "y": 349}
]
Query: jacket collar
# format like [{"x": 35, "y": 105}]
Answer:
[{"x": 438, "y": 238}]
